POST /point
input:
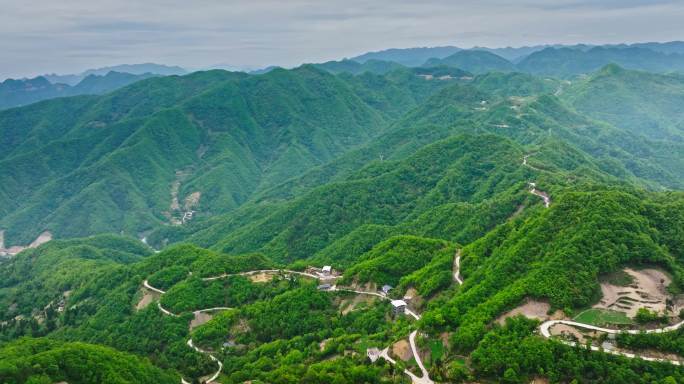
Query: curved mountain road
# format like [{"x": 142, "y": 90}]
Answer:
[
  {"x": 285, "y": 271},
  {"x": 216, "y": 374},
  {"x": 425, "y": 379},
  {"x": 545, "y": 330}
]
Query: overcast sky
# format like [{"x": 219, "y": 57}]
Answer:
[{"x": 67, "y": 36}]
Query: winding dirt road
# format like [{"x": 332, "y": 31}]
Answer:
[
  {"x": 216, "y": 374},
  {"x": 425, "y": 379}
]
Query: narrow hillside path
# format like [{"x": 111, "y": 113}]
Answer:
[
  {"x": 425, "y": 376},
  {"x": 425, "y": 379},
  {"x": 212, "y": 357},
  {"x": 457, "y": 267},
  {"x": 533, "y": 186},
  {"x": 545, "y": 330},
  {"x": 216, "y": 374},
  {"x": 545, "y": 197}
]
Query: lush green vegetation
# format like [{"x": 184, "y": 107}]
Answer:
[
  {"x": 557, "y": 255},
  {"x": 231, "y": 292},
  {"x": 399, "y": 259},
  {"x": 475, "y": 61},
  {"x": 666, "y": 342},
  {"x": 42, "y": 361},
  {"x": 643, "y": 103},
  {"x": 513, "y": 355},
  {"x": 225, "y": 135},
  {"x": 43, "y": 276},
  {"x": 568, "y": 62}
]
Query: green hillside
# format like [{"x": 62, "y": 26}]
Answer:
[
  {"x": 49, "y": 361},
  {"x": 640, "y": 102},
  {"x": 463, "y": 168},
  {"x": 558, "y": 255},
  {"x": 354, "y": 67},
  {"x": 222, "y": 136},
  {"x": 568, "y": 62}
]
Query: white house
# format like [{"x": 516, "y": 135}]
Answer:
[{"x": 398, "y": 307}]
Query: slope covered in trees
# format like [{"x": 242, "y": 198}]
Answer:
[
  {"x": 142, "y": 156},
  {"x": 48, "y": 361},
  {"x": 558, "y": 255},
  {"x": 567, "y": 62},
  {"x": 475, "y": 61},
  {"x": 644, "y": 103}
]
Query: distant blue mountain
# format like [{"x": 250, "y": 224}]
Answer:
[
  {"x": 15, "y": 93},
  {"x": 134, "y": 69}
]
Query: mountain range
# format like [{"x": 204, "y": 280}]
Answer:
[
  {"x": 133, "y": 69},
  {"x": 413, "y": 57},
  {"x": 14, "y": 93},
  {"x": 428, "y": 215}
]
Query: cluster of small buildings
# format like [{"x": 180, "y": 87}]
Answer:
[{"x": 398, "y": 306}]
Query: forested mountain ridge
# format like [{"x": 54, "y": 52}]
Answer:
[
  {"x": 475, "y": 61},
  {"x": 642, "y": 102},
  {"x": 417, "y": 56},
  {"x": 565, "y": 61},
  {"x": 224, "y": 135},
  {"x": 133, "y": 69}
]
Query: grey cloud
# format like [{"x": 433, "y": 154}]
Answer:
[{"x": 71, "y": 35}]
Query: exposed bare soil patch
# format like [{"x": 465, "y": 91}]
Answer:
[
  {"x": 199, "y": 319},
  {"x": 262, "y": 277},
  {"x": 648, "y": 290},
  {"x": 147, "y": 298},
  {"x": 567, "y": 330},
  {"x": 532, "y": 309},
  {"x": 13, "y": 250},
  {"x": 192, "y": 200},
  {"x": 357, "y": 302},
  {"x": 402, "y": 350},
  {"x": 41, "y": 239}
]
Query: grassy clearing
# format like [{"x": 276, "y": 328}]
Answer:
[
  {"x": 601, "y": 317},
  {"x": 436, "y": 350}
]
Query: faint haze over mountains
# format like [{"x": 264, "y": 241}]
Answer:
[{"x": 69, "y": 37}]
